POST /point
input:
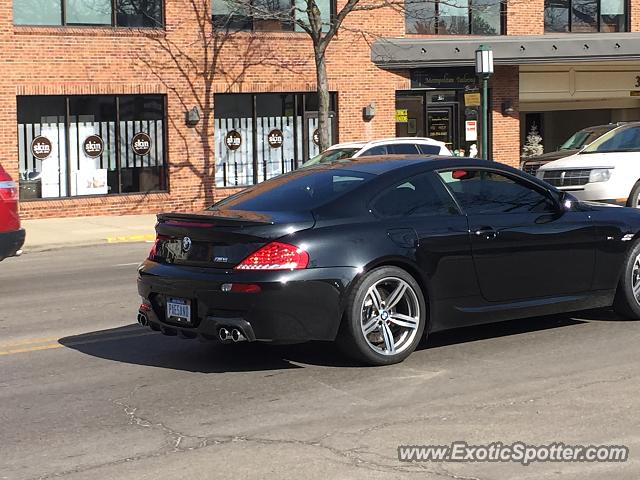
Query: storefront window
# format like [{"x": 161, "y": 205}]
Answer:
[
  {"x": 584, "y": 16},
  {"x": 90, "y": 145},
  {"x": 267, "y": 15},
  {"x": 455, "y": 17},
  {"x": 37, "y": 12},
  {"x": 139, "y": 13},
  {"x": 128, "y": 13},
  {"x": 88, "y": 12},
  {"x": 260, "y": 136}
]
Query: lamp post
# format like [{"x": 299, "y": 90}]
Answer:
[{"x": 484, "y": 70}]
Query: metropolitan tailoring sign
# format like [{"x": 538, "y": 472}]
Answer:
[{"x": 444, "y": 78}]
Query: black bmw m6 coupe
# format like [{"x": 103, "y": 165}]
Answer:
[{"x": 376, "y": 253}]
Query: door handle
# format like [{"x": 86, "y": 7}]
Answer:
[{"x": 487, "y": 232}]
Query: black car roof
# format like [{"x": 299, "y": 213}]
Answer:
[{"x": 388, "y": 163}]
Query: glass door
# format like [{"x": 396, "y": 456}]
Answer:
[
  {"x": 442, "y": 124},
  {"x": 410, "y": 115}
]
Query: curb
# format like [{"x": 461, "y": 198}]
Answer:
[
  {"x": 88, "y": 243},
  {"x": 132, "y": 238}
]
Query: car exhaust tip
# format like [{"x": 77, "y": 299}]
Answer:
[
  {"x": 142, "y": 319},
  {"x": 224, "y": 334},
  {"x": 237, "y": 336}
]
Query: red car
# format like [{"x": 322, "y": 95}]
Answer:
[{"x": 11, "y": 235}]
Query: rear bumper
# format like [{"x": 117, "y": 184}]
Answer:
[
  {"x": 11, "y": 243},
  {"x": 296, "y": 305}
]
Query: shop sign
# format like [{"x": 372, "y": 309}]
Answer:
[
  {"x": 439, "y": 126},
  {"x": 141, "y": 144},
  {"x": 275, "y": 138},
  {"x": 472, "y": 99},
  {"x": 471, "y": 130},
  {"x": 41, "y": 147},
  {"x": 233, "y": 140},
  {"x": 402, "y": 115},
  {"x": 316, "y": 137},
  {"x": 93, "y": 146},
  {"x": 444, "y": 78}
]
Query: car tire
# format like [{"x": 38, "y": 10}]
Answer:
[
  {"x": 634, "y": 197},
  {"x": 627, "y": 300},
  {"x": 385, "y": 317}
]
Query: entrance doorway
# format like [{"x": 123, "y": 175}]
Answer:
[{"x": 442, "y": 115}]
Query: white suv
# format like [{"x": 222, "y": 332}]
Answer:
[
  {"x": 608, "y": 170},
  {"x": 387, "y": 146}
]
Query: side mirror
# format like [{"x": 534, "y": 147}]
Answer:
[{"x": 565, "y": 201}]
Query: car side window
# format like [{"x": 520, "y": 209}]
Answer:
[
  {"x": 421, "y": 195},
  {"x": 481, "y": 191},
  {"x": 402, "y": 149},
  {"x": 429, "y": 149},
  {"x": 379, "y": 150}
]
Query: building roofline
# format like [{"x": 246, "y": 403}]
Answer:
[{"x": 403, "y": 53}]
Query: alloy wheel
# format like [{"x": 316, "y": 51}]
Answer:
[
  {"x": 390, "y": 316},
  {"x": 635, "y": 279}
]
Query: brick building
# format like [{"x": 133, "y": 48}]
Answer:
[{"x": 113, "y": 107}]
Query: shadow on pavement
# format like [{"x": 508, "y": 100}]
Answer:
[{"x": 137, "y": 345}]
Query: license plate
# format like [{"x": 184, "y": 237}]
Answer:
[{"x": 179, "y": 310}]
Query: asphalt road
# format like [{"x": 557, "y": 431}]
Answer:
[{"x": 86, "y": 393}]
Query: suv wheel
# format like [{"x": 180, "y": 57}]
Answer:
[{"x": 627, "y": 301}]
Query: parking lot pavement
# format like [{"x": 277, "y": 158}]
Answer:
[{"x": 86, "y": 393}]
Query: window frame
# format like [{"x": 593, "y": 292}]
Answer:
[
  {"x": 112, "y": 24},
  {"x": 118, "y": 154},
  {"x": 249, "y": 19},
  {"x": 599, "y": 19},
  {"x": 302, "y": 109},
  {"x": 503, "y": 21},
  {"x": 549, "y": 194}
]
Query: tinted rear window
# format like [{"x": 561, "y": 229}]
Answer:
[
  {"x": 429, "y": 149},
  {"x": 303, "y": 190}
]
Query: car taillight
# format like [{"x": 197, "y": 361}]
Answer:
[
  {"x": 156, "y": 244},
  {"x": 8, "y": 191},
  {"x": 8, "y": 188},
  {"x": 276, "y": 256}
]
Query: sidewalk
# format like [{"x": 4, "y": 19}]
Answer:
[{"x": 50, "y": 233}]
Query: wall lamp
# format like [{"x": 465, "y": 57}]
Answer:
[
  {"x": 507, "y": 107},
  {"x": 369, "y": 112},
  {"x": 192, "y": 117}
]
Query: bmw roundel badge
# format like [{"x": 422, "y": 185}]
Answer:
[{"x": 186, "y": 244}]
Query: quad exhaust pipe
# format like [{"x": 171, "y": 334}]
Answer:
[
  {"x": 224, "y": 334},
  {"x": 237, "y": 336},
  {"x": 234, "y": 335},
  {"x": 142, "y": 319}
]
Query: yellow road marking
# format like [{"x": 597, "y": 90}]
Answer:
[
  {"x": 132, "y": 238},
  {"x": 47, "y": 344},
  {"x": 28, "y": 341}
]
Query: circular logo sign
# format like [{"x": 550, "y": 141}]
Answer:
[
  {"x": 316, "y": 137},
  {"x": 233, "y": 140},
  {"x": 141, "y": 144},
  {"x": 275, "y": 138},
  {"x": 93, "y": 146},
  {"x": 41, "y": 148},
  {"x": 186, "y": 244}
]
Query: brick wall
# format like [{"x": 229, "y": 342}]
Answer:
[
  {"x": 188, "y": 64},
  {"x": 506, "y": 127}
]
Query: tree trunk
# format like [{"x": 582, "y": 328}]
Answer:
[{"x": 323, "y": 102}]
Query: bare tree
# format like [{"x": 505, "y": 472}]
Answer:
[{"x": 189, "y": 69}]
